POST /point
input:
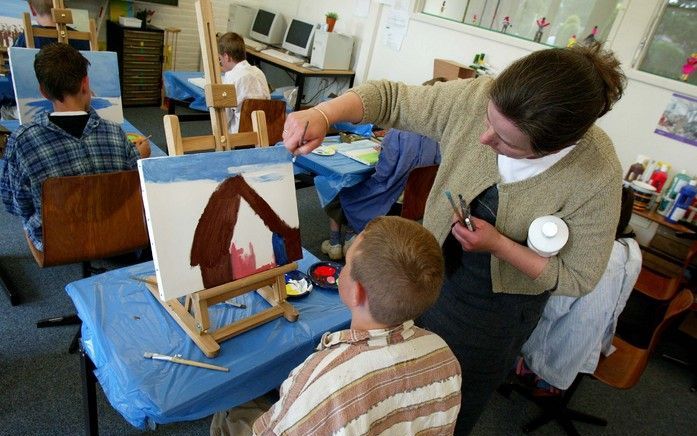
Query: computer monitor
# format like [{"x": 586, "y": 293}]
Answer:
[
  {"x": 298, "y": 37},
  {"x": 268, "y": 27}
]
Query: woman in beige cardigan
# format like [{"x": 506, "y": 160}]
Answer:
[{"x": 517, "y": 147}]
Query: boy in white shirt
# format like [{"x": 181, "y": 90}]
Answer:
[{"x": 249, "y": 80}]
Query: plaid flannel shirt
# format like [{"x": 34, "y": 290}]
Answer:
[{"x": 41, "y": 150}]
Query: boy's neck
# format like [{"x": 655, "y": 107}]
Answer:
[
  {"x": 363, "y": 321},
  {"x": 45, "y": 20},
  {"x": 70, "y": 104}
]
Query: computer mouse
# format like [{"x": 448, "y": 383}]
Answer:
[{"x": 307, "y": 65}]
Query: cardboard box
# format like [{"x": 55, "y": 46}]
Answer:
[{"x": 451, "y": 70}]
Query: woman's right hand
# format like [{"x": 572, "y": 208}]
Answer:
[{"x": 304, "y": 131}]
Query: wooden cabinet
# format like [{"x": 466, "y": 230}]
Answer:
[{"x": 140, "y": 63}]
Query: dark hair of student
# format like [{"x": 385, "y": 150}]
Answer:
[
  {"x": 554, "y": 96},
  {"x": 232, "y": 44},
  {"x": 626, "y": 208},
  {"x": 60, "y": 70},
  {"x": 42, "y": 7}
]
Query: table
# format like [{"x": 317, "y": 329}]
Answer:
[
  {"x": 333, "y": 173},
  {"x": 179, "y": 91},
  {"x": 257, "y": 57},
  {"x": 121, "y": 320}
]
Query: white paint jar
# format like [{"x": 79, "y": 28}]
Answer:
[{"x": 547, "y": 235}]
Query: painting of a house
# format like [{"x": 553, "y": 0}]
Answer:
[{"x": 218, "y": 217}]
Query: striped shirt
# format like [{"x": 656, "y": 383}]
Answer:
[
  {"x": 41, "y": 150},
  {"x": 399, "y": 381}
]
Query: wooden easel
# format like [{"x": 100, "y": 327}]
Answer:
[
  {"x": 192, "y": 315},
  {"x": 62, "y": 18}
]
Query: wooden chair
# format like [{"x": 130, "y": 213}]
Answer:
[
  {"x": 622, "y": 369},
  {"x": 275, "y": 111},
  {"x": 86, "y": 218},
  {"x": 62, "y": 17},
  {"x": 660, "y": 286},
  {"x": 416, "y": 192}
]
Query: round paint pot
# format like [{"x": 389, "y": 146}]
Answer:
[
  {"x": 325, "y": 274},
  {"x": 298, "y": 284},
  {"x": 643, "y": 194},
  {"x": 547, "y": 235}
]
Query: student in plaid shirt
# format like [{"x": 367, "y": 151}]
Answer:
[{"x": 72, "y": 140}]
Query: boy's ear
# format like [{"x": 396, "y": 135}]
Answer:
[
  {"x": 359, "y": 295},
  {"x": 85, "y": 85}
]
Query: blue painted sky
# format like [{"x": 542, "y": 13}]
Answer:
[
  {"x": 103, "y": 73},
  {"x": 210, "y": 166},
  {"x": 13, "y": 8}
]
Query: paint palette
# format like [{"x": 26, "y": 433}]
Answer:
[
  {"x": 325, "y": 274},
  {"x": 133, "y": 137},
  {"x": 298, "y": 284},
  {"x": 324, "y": 150}
]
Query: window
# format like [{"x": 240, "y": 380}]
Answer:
[
  {"x": 552, "y": 22},
  {"x": 672, "y": 49}
]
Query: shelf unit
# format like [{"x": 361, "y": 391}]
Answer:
[{"x": 140, "y": 62}]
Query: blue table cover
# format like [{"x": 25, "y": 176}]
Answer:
[
  {"x": 122, "y": 320},
  {"x": 178, "y": 87},
  {"x": 333, "y": 172}
]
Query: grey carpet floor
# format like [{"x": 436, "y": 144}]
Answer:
[{"x": 40, "y": 392}]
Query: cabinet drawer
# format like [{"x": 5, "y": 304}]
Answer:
[
  {"x": 131, "y": 50},
  {"x": 134, "y": 35},
  {"x": 142, "y": 58}
]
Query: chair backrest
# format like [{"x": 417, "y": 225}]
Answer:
[
  {"x": 623, "y": 368},
  {"x": 416, "y": 192},
  {"x": 91, "y": 217},
  {"x": 178, "y": 145},
  {"x": 62, "y": 17},
  {"x": 275, "y": 111},
  {"x": 680, "y": 303}
]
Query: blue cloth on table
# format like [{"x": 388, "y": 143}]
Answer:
[
  {"x": 121, "y": 320},
  {"x": 401, "y": 152},
  {"x": 178, "y": 87}
]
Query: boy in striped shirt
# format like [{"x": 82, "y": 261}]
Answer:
[{"x": 383, "y": 375}]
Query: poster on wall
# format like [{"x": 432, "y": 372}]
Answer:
[{"x": 679, "y": 120}]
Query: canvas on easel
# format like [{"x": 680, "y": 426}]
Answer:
[
  {"x": 218, "y": 217},
  {"x": 104, "y": 84}
]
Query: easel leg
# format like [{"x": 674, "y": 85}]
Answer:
[{"x": 89, "y": 394}]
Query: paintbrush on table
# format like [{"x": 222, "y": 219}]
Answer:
[{"x": 177, "y": 359}]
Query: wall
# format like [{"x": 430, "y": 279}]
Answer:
[{"x": 630, "y": 124}]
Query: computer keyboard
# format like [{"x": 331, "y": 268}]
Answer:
[
  {"x": 256, "y": 45},
  {"x": 283, "y": 56}
]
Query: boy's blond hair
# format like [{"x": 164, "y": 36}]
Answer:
[
  {"x": 400, "y": 265},
  {"x": 232, "y": 45},
  {"x": 42, "y": 7}
]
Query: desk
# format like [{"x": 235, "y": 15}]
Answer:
[
  {"x": 257, "y": 57},
  {"x": 179, "y": 90},
  {"x": 333, "y": 172},
  {"x": 662, "y": 250},
  {"x": 122, "y": 320}
]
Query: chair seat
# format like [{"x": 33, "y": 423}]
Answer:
[
  {"x": 657, "y": 285},
  {"x": 622, "y": 368}
]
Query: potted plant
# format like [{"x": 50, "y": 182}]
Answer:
[
  {"x": 145, "y": 15},
  {"x": 331, "y": 20}
]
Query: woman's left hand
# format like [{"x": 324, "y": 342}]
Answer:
[{"x": 484, "y": 238}]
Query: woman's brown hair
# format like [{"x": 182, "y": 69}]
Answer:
[{"x": 554, "y": 96}]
